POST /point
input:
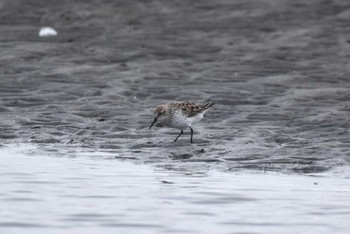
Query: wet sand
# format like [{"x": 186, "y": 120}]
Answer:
[{"x": 278, "y": 71}]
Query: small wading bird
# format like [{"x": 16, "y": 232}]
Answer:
[{"x": 180, "y": 115}]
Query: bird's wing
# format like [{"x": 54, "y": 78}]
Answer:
[{"x": 191, "y": 109}]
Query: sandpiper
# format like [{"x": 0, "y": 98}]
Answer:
[{"x": 180, "y": 115}]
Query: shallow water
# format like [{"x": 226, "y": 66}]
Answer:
[
  {"x": 277, "y": 70},
  {"x": 46, "y": 194}
]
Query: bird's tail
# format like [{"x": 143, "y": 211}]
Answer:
[{"x": 207, "y": 104}]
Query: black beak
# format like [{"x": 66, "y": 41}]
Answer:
[{"x": 154, "y": 121}]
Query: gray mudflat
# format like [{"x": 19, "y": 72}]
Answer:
[{"x": 278, "y": 71}]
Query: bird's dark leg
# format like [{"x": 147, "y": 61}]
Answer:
[
  {"x": 191, "y": 134},
  {"x": 179, "y": 135}
]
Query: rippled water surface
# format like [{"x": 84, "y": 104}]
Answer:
[
  {"x": 278, "y": 71},
  {"x": 46, "y": 194}
]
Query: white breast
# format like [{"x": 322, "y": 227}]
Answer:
[{"x": 181, "y": 121}]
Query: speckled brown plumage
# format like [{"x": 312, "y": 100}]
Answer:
[
  {"x": 180, "y": 115},
  {"x": 191, "y": 109}
]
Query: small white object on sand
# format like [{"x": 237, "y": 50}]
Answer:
[{"x": 47, "y": 32}]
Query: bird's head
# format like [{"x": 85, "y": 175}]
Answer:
[{"x": 159, "y": 114}]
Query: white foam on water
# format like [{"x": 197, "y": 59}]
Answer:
[{"x": 47, "y": 32}]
